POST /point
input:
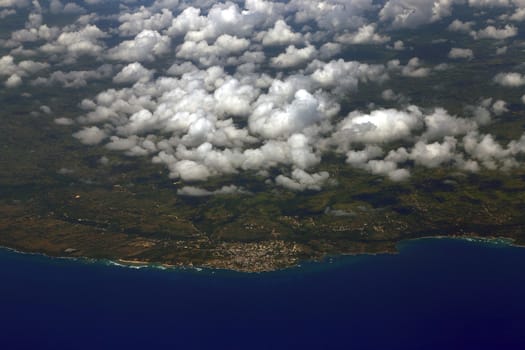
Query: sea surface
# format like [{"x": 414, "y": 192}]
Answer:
[{"x": 434, "y": 294}]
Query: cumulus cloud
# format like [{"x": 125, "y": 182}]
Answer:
[
  {"x": 387, "y": 168},
  {"x": 361, "y": 157},
  {"x": 440, "y": 124},
  {"x": 294, "y": 57},
  {"x": 459, "y": 26},
  {"x": 13, "y": 81},
  {"x": 399, "y": 45},
  {"x": 301, "y": 180},
  {"x": 57, "y": 7},
  {"x": 502, "y": 50},
  {"x": 85, "y": 41},
  {"x": 339, "y": 75},
  {"x": 208, "y": 55},
  {"x": 413, "y": 69},
  {"x": 412, "y": 13},
  {"x": 74, "y": 79},
  {"x": 456, "y": 53},
  {"x": 489, "y": 3},
  {"x": 14, "y": 3},
  {"x": 192, "y": 191},
  {"x": 330, "y": 15},
  {"x": 280, "y": 34},
  {"x": 511, "y": 79},
  {"x": 485, "y": 149},
  {"x": 301, "y": 113},
  {"x": 491, "y": 32},
  {"x": 90, "y": 135},
  {"x": 380, "y": 126},
  {"x": 434, "y": 154},
  {"x": 136, "y": 22},
  {"x": 518, "y": 15},
  {"x": 146, "y": 45},
  {"x": 8, "y": 66},
  {"x": 499, "y": 107},
  {"x": 64, "y": 121},
  {"x": 6, "y": 13},
  {"x": 132, "y": 73},
  {"x": 365, "y": 35},
  {"x": 212, "y": 88},
  {"x": 390, "y": 95}
]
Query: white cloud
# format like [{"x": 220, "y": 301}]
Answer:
[
  {"x": 74, "y": 79},
  {"x": 502, "y": 50},
  {"x": 208, "y": 55},
  {"x": 13, "y": 81},
  {"x": 90, "y": 135},
  {"x": 85, "y": 41},
  {"x": 14, "y": 3},
  {"x": 485, "y": 149},
  {"x": 489, "y": 3},
  {"x": 64, "y": 121},
  {"x": 361, "y": 157},
  {"x": 213, "y": 88},
  {"x": 390, "y": 95},
  {"x": 189, "y": 170},
  {"x": 6, "y": 13},
  {"x": 302, "y": 112},
  {"x": 301, "y": 180},
  {"x": 294, "y": 57},
  {"x": 413, "y": 69},
  {"x": 434, "y": 154},
  {"x": 56, "y": 7},
  {"x": 224, "y": 18},
  {"x": 16, "y": 71},
  {"x": 491, "y": 32},
  {"x": 147, "y": 45},
  {"x": 193, "y": 191},
  {"x": 365, "y": 35},
  {"x": 331, "y": 15},
  {"x": 387, "y": 168},
  {"x": 412, "y": 13},
  {"x": 280, "y": 34},
  {"x": 456, "y": 53},
  {"x": 132, "y": 73},
  {"x": 134, "y": 23},
  {"x": 499, "y": 107},
  {"x": 399, "y": 45},
  {"x": 519, "y": 15},
  {"x": 440, "y": 124},
  {"x": 511, "y": 79},
  {"x": 341, "y": 76},
  {"x": 380, "y": 126},
  {"x": 459, "y": 26}
]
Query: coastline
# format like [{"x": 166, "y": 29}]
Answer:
[
  {"x": 432, "y": 288},
  {"x": 142, "y": 264},
  {"x": 473, "y": 238}
]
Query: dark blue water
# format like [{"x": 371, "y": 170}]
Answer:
[{"x": 436, "y": 294}]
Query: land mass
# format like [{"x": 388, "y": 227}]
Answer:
[{"x": 146, "y": 222}]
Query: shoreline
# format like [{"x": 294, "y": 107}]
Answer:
[
  {"x": 142, "y": 264},
  {"x": 487, "y": 239}
]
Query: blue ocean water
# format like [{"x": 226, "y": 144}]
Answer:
[{"x": 435, "y": 294}]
